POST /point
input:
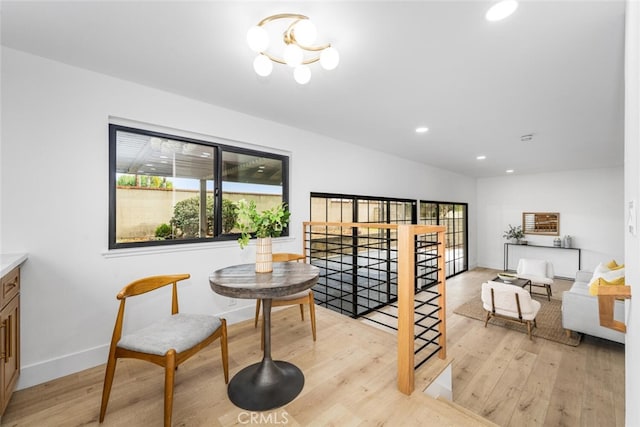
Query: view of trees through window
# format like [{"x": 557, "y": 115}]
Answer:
[{"x": 168, "y": 189}]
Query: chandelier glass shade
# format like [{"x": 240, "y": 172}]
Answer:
[{"x": 298, "y": 49}]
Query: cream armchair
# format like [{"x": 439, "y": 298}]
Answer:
[
  {"x": 509, "y": 302},
  {"x": 539, "y": 272}
]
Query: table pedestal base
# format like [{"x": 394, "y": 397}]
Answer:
[{"x": 266, "y": 385}]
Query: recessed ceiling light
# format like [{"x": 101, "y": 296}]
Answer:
[
  {"x": 481, "y": 157},
  {"x": 501, "y": 10},
  {"x": 509, "y": 171},
  {"x": 422, "y": 129}
]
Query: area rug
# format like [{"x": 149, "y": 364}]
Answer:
[{"x": 549, "y": 320}]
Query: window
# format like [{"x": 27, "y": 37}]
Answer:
[
  {"x": 454, "y": 217},
  {"x": 167, "y": 189}
]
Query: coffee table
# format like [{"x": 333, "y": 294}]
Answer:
[{"x": 516, "y": 282}]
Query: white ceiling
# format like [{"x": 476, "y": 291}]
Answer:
[{"x": 554, "y": 69}]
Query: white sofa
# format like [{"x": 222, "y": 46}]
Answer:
[{"x": 580, "y": 310}]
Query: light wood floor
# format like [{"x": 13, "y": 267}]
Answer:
[
  {"x": 503, "y": 376},
  {"x": 350, "y": 379}
]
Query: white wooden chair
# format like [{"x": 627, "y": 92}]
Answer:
[
  {"x": 539, "y": 272},
  {"x": 509, "y": 302}
]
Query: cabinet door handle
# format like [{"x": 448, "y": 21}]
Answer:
[
  {"x": 8, "y": 337},
  {"x": 12, "y": 284},
  {"x": 3, "y": 353}
]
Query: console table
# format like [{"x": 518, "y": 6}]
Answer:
[
  {"x": 268, "y": 384},
  {"x": 506, "y": 252}
]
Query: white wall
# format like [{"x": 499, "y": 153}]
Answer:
[
  {"x": 590, "y": 203},
  {"x": 54, "y": 136},
  {"x": 632, "y": 192}
]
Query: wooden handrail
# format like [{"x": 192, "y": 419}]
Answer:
[
  {"x": 607, "y": 295},
  {"x": 406, "y": 290},
  {"x": 406, "y": 294}
]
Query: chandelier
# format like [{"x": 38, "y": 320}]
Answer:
[{"x": 298, "y": 47}]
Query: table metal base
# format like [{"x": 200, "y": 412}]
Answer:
[{"x": 265, "y": 385}]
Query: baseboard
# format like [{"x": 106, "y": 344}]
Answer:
[
  {"x": 47, "y": 370},
  {"x": 51, "y": 369}
]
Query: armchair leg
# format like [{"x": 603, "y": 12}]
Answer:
[
  {"x": 529, "y": 329},
  {"x": 312, "y": 314},
  {"x": 225, "y": 351},
  {"x": 487, "y": 319},
  {"x": 301, "y": 311},
  {"x": 108, "y": 382},
  {"x": 169, "y": 376}
]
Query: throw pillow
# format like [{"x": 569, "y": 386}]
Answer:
[
  {"x": 605, "y": 277},
  {"x": 593, "y": 287},
  {"x": 611, "y": 265}
]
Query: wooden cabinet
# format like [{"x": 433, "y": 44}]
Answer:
[{"x": 9, "y": 335}]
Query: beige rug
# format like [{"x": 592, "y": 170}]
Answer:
[{"x": 549, "y": 320}]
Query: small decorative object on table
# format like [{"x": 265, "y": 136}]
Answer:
[
  {"x": 266, "y": 224},
  {"x": 507, "y": 277}
]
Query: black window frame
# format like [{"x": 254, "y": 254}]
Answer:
[
  {"x": 218, "y": 148},
  {"x": 449, "y": 233}
]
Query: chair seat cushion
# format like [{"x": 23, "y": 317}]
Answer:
[
  {"x": 297, "y": 295},
  {"x": 180, "y": 332}
]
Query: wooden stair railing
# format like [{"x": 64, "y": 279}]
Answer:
[
  {"x": 606, "y": 298},
  {"x": 406, "y": 246},
  {"x": 406, "y": 295}
]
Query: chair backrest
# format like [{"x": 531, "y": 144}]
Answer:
[
  {"x": 142, "y": 286},
  {"x": 504, "y": 300},
  {"x": 285, "y": 257},
  {"x": 535, "y": 268}
]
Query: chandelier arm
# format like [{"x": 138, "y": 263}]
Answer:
[
  {"x": 313, "y": 48},
  {"x": 283, "y": 62},
  {"x": 282, "y": 16},
  {"x": 273, "y": 58}
]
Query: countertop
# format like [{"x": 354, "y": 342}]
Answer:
[{"x": 10, "y": 261}]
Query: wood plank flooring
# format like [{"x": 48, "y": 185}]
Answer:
[
  {"x": 350, "y": 379},
  {"x": 512, "y": 381}
]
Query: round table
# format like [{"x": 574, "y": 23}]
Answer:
[{"x": 268, "y": 384}]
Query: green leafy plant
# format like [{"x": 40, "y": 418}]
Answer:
[
  {"x": 513, "y": 232},
  {"x": 229, "y": 215},
  {"x": 164, "y": 232},
  {"x": 268, "y": 223},
  {"x": 186, "y": 217}
]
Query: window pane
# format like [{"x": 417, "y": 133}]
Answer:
[
  {"x": 251, "y": 177},
  {"x": 164, "y": 188},
  {"x": 454, "y": 217}
]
